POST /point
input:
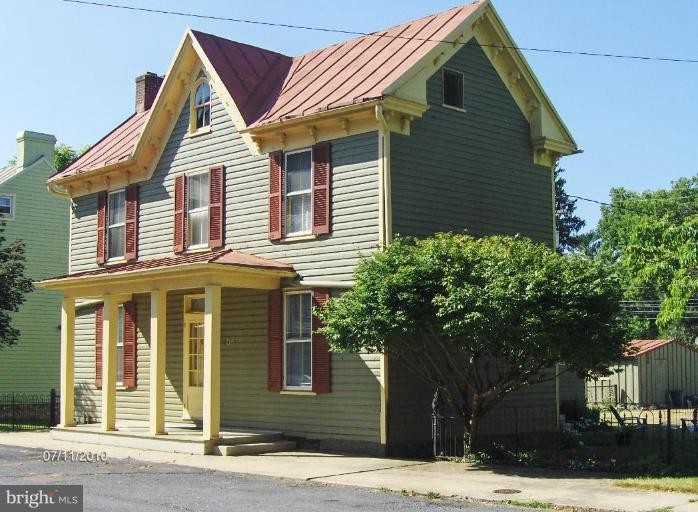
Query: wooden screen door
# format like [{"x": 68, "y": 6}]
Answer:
[{"x": 193, "y": 363}]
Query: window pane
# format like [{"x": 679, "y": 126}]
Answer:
[
  {"x": 293, "y": 317},
  {"x": 197, "y": 305},
  {"x": 198, "y": 228},
  {"x": 117, "y": 208},
  {"x": 116, "y": 243},
  {"x": 5, "y": 205},
  {"x": 198, "y": 191},
  {"x": 119, "y": 364},
  {"x": 306, "y": 316},
  {"x": 453, "y": 89},
  {"x": 203, "y": 116},
  {"x": 298, "y": 364},
  {"x": 298, "y": 210},
  {"x": 203, "y": 94},
  {"x": 298, "y": 172}
]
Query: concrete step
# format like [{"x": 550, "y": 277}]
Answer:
[
  {"x": 249, "y": 438},
  {"x": 255, "y": 448}
]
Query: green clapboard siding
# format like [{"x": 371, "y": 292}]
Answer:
[
  {"x": 41, "y": 222},
  {"x": 354, "y": 202},
  {"x": 470, "y": 170},
  {"x": 348, "y": 417}
]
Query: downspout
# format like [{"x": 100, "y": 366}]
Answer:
[
  {"x": 384, "y": 236},
  {"x": 384, "y": 189}
]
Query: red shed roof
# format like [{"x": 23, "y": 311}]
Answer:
[
  {"x": 225, "y": 257},
  {"x": 640, "y": 347}
]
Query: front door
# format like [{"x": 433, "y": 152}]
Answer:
[{"x": 193, "y": 367}]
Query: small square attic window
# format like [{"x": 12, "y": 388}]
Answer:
[{"x": 453, "y": 88}]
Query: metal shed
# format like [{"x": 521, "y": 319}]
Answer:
[{"x": 654, "y": 372}]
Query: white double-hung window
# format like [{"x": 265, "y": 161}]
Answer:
[
  {"x": 197, "y": 210},
  {"x": 298, "y": 343},
  {"x": 299, "y": 194},
  {"x": 7, "y": 207},
  {"x": 116, "y": 225}
]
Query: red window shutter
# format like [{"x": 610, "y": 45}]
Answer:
[
  {"x": 276, "y": 342},
  {"x": 99, "y": 325},
  {"x": 180, "y": 212},
  {"x": 322, "y": 178},
  {"x": 131, "y": 252},
  {"x": 101, "y": 227},
  {"x": 130, "y": 345},
  {"x": 320, "y": 347},
  {"x": 216, "y": 207},
  {"x": 276, "y": 195}
]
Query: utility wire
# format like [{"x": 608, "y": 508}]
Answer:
[{"x": 379, "y": 34}]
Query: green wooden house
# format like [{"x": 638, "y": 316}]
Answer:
[
  {"x": 41, "y": 221},
  {"x": 244, "y": 190}
]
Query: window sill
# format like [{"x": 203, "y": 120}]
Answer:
[
  {"x": 299, "y": 238},
  {"x": 194, "y": 250},
  {"x": 298, "y": 392},
  {"x": 451, "y": 107},
  {"x": 115, "y": 262},
  {"x": 200, "y": 131}
]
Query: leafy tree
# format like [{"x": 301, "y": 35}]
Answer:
[
  {"x": 568, "y": 224},
  {"x": 480, "y": 318},
  {"x": 653, "y": 237},
  {"x": 14, "y": 285}
]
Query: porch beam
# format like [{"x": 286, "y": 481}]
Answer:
[
  {"x": 158, "y": 340},
  {"x": 68, "y": 362},
  {"x": 212, "y": 362},
  {"x": 109, "y": 335}
]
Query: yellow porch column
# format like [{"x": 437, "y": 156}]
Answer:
[
  {"x": 212, "y": 362},
  {"x": 68, "y": 362},
  {"x": 109, "y": 334},
  {"x": 158, "y": 322}
]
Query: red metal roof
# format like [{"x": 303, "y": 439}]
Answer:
[
  {"x": 268, "y": 87},
  {"x": 225, "y": 257},
  {"x": 360, "y": 69},
  {"x": 114, "y": 147},
  {"x": 640, "y": 347}
]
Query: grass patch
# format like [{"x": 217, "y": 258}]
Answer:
[
  {"x": 543, "y": 505},
  {"x": 687, "y": 484},
  {"x": 433, "y": 495}
]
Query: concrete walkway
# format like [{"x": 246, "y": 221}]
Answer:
[{"x": 450, "y": 480}]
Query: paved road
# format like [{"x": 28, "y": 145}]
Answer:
[{"x": 132, "y": 486}]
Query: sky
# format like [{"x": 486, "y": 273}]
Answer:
[{"x": 70, "y": 70}]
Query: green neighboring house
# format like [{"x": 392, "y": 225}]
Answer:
[{"x": 41, "y": 221}]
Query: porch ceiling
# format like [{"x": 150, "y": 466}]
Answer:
[{"x": 225, "y": 268}]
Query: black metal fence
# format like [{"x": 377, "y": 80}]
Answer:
[{"x": 24, "y": 411}]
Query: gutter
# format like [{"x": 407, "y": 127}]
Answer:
[{"x": 384, "y": 200}]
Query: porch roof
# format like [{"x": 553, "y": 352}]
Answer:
[{"x": 224, "y": 268}]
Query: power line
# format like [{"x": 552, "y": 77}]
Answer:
[{"x": 358, "y": 33}]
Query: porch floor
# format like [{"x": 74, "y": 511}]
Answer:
[{"x": 180, "y": 437}]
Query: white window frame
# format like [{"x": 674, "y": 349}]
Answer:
[
  {"x": 443, "y": 88},
  {"x": 200, "y": 209},
  {"x": 13, "y": 207},
  {"x": 309, "y": 340},
  {"x": 287, "y": 232},
  {"x": 120, "y": 325},
  {"x": 194, "y": 107},
  {"x": 122, "y": 256}
]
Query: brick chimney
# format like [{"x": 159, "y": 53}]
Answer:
[
  {"x": 33, "y": 145},
  {"x": 147, "y": 87}
]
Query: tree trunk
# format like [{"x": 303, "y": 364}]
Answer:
[{"x": 470, "y": 432}]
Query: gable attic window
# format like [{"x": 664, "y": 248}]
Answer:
[
  {"x": 453, "y": 89},
  {"x": 7, "y": 207},
  {"x": 200, "y": 116}
]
